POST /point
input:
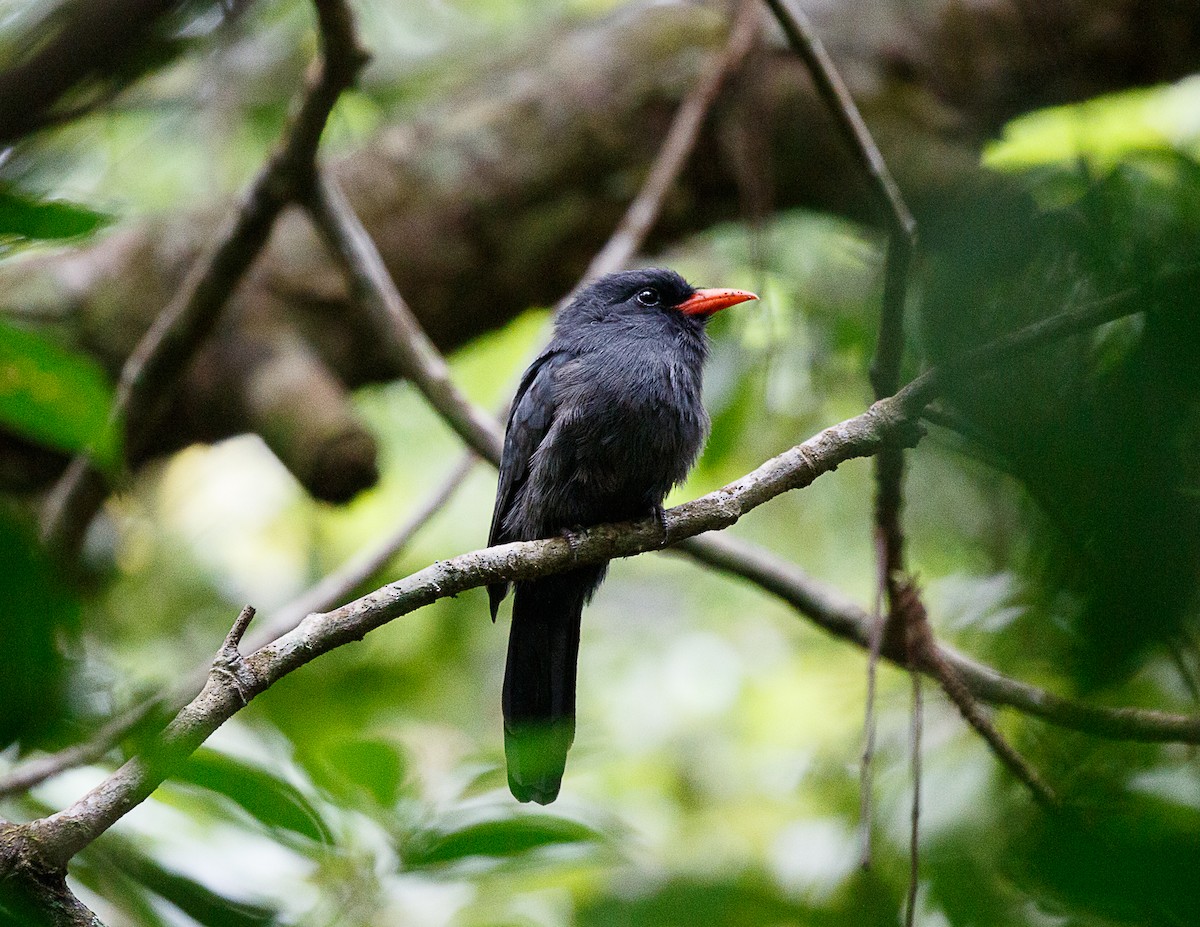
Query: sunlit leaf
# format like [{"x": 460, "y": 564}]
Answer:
[
  {"x": 53, "y": 396},
  {"x": 267, "y": 798},
  {"x": 500, "y": 838},
  {"x": 25, "y": 217},
  {"x": 372, "y": 766},
  {"x": 1103, "y": 130}
]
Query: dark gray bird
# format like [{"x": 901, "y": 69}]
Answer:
[{"x": 606, "y": 420}]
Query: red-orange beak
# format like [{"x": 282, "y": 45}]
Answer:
[{"x": 706, "y": 302}]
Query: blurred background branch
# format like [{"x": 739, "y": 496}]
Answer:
[{"x": 488, "y": 154}]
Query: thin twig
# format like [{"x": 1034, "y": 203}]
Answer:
[
  {"x": 329, "y": 591},
  {"x": 921, "y": 651},
  {"x": 841, "y": 106},
  {"x": 914, "y": 832},
  {"x": 676, "y": 148},
  {"x": 866, "y": 768},
  {"x": 406, "y": 341},
  {"x": 902, "y": 227},
  {"x": 889, "y": 346},
  {"x": 333, "y": 588},
  {"x": 154, "y": 368},
  {"x": 35, "y": 771}
]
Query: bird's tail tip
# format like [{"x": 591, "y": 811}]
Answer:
[{"x": 537, "y": 758}]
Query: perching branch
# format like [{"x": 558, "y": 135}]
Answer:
[
  {"x": 327, "y": 592},
  {"x": 336, "y": 586},
  {"x": 1117, "y": 724},
  {"x": 236, "y": 679},
  {"x": 889, "y": 420},
  {"x": 233, "y": 683},
  {"x": 156, "y": 365}
]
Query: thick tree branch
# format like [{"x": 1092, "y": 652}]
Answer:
[{"x": 496, "y": 197}]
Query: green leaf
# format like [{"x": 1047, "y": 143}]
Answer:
[
  {"x": 265, "y": 797},
  {"x": 197, "y": 901},
  {"x": 26, "y": 217},
  {"x": 733, "y": 903},
  {"x": 39, "y": 611},
  {"x": 499, "y": 839},
  {"x": 375, "y": 767},
  {"x": 55, "y": 397}
]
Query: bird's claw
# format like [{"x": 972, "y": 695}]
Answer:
[
  {"x": 573, "y": 537},
  {"x": 660, "y": 515}
]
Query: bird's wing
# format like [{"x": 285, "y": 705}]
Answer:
[{"x": 528, "y": 422}]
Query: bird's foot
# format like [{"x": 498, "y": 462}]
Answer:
[
  {"x": 573, "y": 537},
  {"x": 660, "y": 515}
]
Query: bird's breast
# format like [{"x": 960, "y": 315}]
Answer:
[{"x": 639, "y": 420}]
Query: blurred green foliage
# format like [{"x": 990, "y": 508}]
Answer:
[
  {"x": 38, "y": 609},
  {"x": 55, "y": 397},
  {"x": 714, "y": 781}
]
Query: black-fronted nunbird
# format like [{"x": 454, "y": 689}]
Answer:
[{"x": 606, "y": 420}]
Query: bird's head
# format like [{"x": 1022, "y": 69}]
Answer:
[{"x": 654, "y": 290}]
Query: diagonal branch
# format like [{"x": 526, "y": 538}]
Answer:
[
  {"x": 59, "y": 837},
  {"x": 161, "y": 357},
  {"x": 902, "y": 227},
  {"x": 919, "y": 394},
  {"x": 677, "y": 147},
  {"x": 406, "y": 341},
  {"x": 923, "y": 656},
  {"x": 335, "y": 587},
  {"x": 329, "y": 591}
]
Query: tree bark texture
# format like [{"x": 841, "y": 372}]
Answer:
[{"x": 494, "y": 200}]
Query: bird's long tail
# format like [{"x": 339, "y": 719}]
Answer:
[{"x": 539, "y": 681}]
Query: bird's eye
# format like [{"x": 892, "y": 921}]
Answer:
[{"x": 648, "y": 297}]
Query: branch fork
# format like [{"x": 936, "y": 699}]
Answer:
[{"x": 229, "y": 664}]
